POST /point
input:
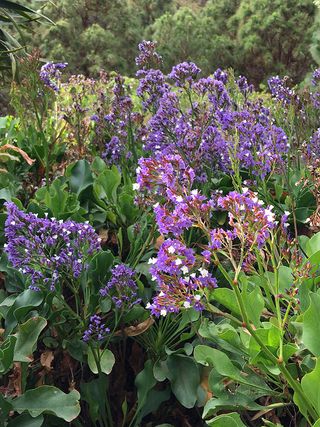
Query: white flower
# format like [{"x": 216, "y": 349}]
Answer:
[
  {"x": 161, "y": 294},
  {"x": 179, "y": 199},
  {"x": 138, "y": 170},
  {"x": 156, "y": 205},
  {"x": 186, "y": 304},
  {"x": 287, "y": 213},
  {"x": 197, "y": 297},
  {"x": 194, "y": 192},
  {"x": 136, "y": 186},
  {"x": 203, "y": 272},
  {"x": 13, "y": 223},
  {"x": 184, "y": 269},
  {"x": 153, "y": 278},
  {"x": 178, "y": 261},
  {"x": 148, "y": 305},
  {"x": 171, "y": 250},
  {"x": 152, "y": 260},
  {"x": 163, "y": 312}
]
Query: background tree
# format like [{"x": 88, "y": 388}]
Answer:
[{"x": 273, "y": 37}]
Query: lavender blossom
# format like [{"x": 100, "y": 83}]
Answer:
[
  {"x": 181, "y": 279},
  {"x": 148, "y": 56},
  {"x": 50, "y": 74},
  {"x": 151, "y": 88},
  {"x": 48, "y": 251},
  {"x": 185, "y": 72},
  {"x": 96, "y": 329},
  {"x": 122, "y": 289}
]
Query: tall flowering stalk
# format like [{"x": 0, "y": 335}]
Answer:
[{"x": 49, "y": 252}]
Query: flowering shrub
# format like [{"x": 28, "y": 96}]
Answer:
[{"x": 171, "y": 258}]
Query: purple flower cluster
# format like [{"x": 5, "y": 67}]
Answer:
[
  {"x": 50, "y": 74},
  {"x": 313, "y": 148},
  {"x": 163, "y": 175},
  {"x": 214, "y": 133},
  {"x": 96, "y": 329},
  {"x": 47, "y": 250},
  {"x": 315, "y": 77},
  {"x": 250, "y": 222},
  {"x": 121, "y": 288},
  {"x": 184, "y": 73},
  {"x": 181, "y": 279},
  {"x": 152, "y": 87},
  {"x": 148, "y": 57},
  {"x": 116, "y": 125},
  {"x": 281, "y": 91}
]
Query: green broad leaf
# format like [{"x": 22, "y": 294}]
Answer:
[
  {"x": 285, "y": 278},
  {"x": 107, "y": 183},
  {"x": 6, "y": 354},
  {"x": 311, "y": 319},
  {"x": 99, "y": 268},
  {"x": 226, "y": 420},
  {"x": 228, "y": 402},
  {"x": 160, "y": 370},
  {"x": 81, "y": 177},
  {"x": 222, "y": 364},
  {"x": 27, "y": 337},
  {"x": 310, "y": 385},
  {"x": 5, "y": 408},
  {"x": 154, "y": 400},
  {"x": 26, "y": 420},
  {"x": 185, "y": 378},
  {"x": 144, "y": 383},
  {"x": 91, "y": 392},
  {"x": 98, "y": 165},
  {"x": 313, "y": 245},
  {"x": 24, "y": 303},
  {"x": 253, "y": 301},
  {"x": 209, "y": 356},
  {"x": 227, "y": 298},
  {"x": 127, "y": 207},
  {"x": 48, "y": 400},
  {"x": 107, "y": 361},
  {"x": 317, "y": 423}
]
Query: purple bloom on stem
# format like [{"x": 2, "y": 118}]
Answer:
[
  {"x": 148, "y": 56},
  {"x": 184, "y": 72},
  {"x": 47, "y": 250},
  {"x": 96, "y": 329},
  {"x": 50, "y": 74},
  {"x": 121, "y": 288}
]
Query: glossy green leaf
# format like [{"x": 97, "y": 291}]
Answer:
[
  {"x": 27, "y": 336},
  {"x": 226, "y": 420},
  {"x": 107, "y": 361},
  {"x": 184, "y": 377},
  {"x": 227, "y": 298},
  {"x": 26, "y": 420},
  {"x": 24, "y": 303},
  {"x": 311, "y": 319},
  {"x": 50, "y": 400},
  {"x": 81, "y": 177},
  {"x": 7, "y": 353}
]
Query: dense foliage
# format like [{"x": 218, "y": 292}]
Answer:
[
  {"x": 257, "y": 38},
  {"x": 160, "y": 261}
]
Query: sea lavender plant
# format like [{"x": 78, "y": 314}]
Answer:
[
  {"x": 50, "y": 74},
  {"x": 121, "y": 288},
  {"x": 148, "y": 57},
  {"x": 48, "y": 251},
  {"x": 96, "y": 329},
  {"x": 181, "y": 279}
]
